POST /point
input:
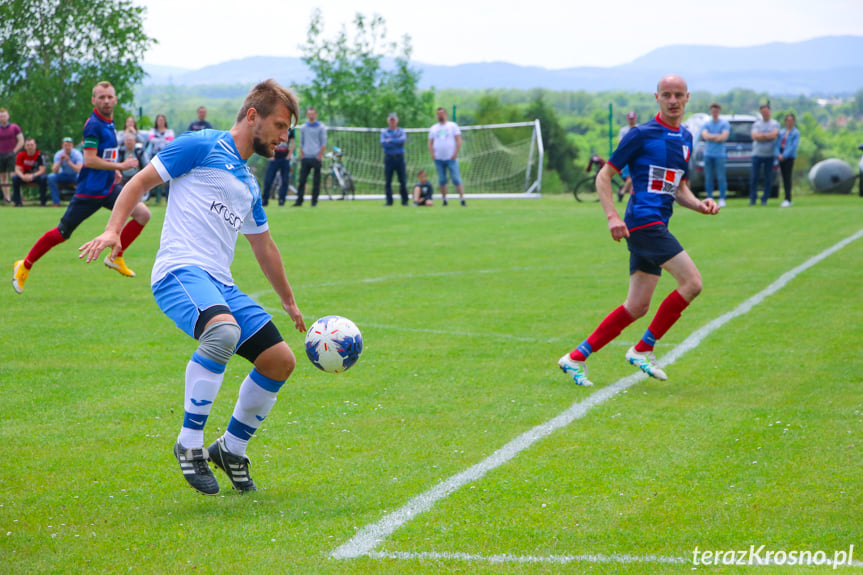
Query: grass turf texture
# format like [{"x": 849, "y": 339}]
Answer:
[{"x": 755, "y": 438}]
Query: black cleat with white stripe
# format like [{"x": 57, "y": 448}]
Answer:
[
  {"x": 193, "y": 464},
  {"x": 235, "y": 466}
]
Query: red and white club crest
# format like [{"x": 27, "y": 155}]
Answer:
[{"x": 685, "y": 153}]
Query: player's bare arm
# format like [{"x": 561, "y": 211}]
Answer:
[
  {"x": 128, "y": 199},
  {"x": 270, "y": 259},
  {"x": 457, "y": 147},
  {"x": 616, "y": 226},
  {"x": 687, "y": 199}
]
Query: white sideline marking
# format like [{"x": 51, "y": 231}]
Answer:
[
  {"x": 507, "y": 558},
  {"x": 372, "y": 535}
]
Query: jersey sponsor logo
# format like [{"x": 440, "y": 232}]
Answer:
[
  {"x": 110, "y": 154},
  {"x": 226, "y": 214},
  {"x": 664, "y": 180}
]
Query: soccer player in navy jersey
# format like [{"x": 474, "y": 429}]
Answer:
[
  {"x": 97, "y": 188},
  {"x": 214, "y": 198},
  {"x": 657, "y": 154}
]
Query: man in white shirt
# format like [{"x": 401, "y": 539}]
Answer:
[
  {"x": 444, "y": 146},
  {"x": 214, "y": 199}
]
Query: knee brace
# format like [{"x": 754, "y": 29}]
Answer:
[{"x": 218, "y": 341}]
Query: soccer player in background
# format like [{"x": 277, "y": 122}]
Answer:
[
  {"x": 657, "y": 154},
  {"x": 97, "y": 188},
  {"x": 214, "y": 198}
]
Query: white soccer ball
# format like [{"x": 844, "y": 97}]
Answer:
[{"x": 334, "y": 343}]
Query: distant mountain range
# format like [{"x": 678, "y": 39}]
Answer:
[{"x": 829, "y": 65}]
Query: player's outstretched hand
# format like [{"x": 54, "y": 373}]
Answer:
[
  {"x": 618, "y": 229},
  {"x": 94, "y": 247},
  {"x": 296, "y": 315},
  {"x": 709, "y": 207}
]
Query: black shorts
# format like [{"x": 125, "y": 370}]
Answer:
[
  {"x": 651, "y": 247},
  {"x": 7, "y": 162},
  {"x": 82, "y": 208}
]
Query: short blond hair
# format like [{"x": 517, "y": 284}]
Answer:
[
  {"x": 266, "y": 97},
  {"x": 4, "y": 110},
  {"x": 102, "y": 84}
]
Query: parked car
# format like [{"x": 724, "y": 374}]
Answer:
[{"x": 738, "y": 165}]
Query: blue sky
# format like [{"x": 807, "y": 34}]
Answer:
[{"x": 547, "y": 33}]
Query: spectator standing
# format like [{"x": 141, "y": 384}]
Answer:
[
  {"x": 631, "y": 122},
  {"x": 313, "y": 142},
  {"x": 715, "y": 133},
  {"x": 280, "y": 163},
  {"x": 393, "y": 141},
  {"x": 159, "y": 137},
  {"x": 131, "y": 126},
  {"x": 201, "y": 123},
  {"x": 67, "y": 164},
  {"x": 11, "y": 142},
  {"x": 764, "y": 134},
  {"x": 29, "y": 169},
  {"x": 423, "y": 190},
  {"x": 786, "y": 151},
  {"x": 444, "y": 146},
  {"x": 132, "y": 148}
]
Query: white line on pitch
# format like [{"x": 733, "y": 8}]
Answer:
[
  {"x": 508, "y": 558},
  {"x": 372, "y": 535}
]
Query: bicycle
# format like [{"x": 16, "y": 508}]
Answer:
[
  {"x": 585, "y": 189},
  {"x": 338, "y": 178}
]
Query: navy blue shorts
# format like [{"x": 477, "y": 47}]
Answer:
[
  {"x": 651, "y": 247},
  {"x": 81, "y": 208}
]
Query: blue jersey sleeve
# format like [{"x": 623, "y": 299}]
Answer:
[
  {"x": 185, "y": 152},
  {"x": 627, "y": 149}
]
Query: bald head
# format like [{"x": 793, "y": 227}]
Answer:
[
  {"x": 672, "y": 94},
  {"x": 671, "y": 81}
]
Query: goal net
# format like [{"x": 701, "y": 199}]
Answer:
[{"x": 495, "y": 161}]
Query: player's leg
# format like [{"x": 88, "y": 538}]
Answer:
[
  {"x": 194, "y": 301},
  {"x": 683, "y": 269},
  {"x": 273, "y": 361},
  {"x": 440, "y": 166},
  {"x": 641, "y": 287},
  {"x": 78, "y": 210}
]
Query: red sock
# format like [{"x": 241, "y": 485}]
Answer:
[
  {"x": 131, "y": 230},
  {"x": 51, "y": 238},
  {"x": 610, "y": 328},
  {"x": 668, "y": 313}
]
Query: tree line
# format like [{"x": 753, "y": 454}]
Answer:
[{"x": 52, "y": 53}]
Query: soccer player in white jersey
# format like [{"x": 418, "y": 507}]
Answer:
[{"x": 214, "y": 198}]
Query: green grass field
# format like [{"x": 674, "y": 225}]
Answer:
[{"x": 755, "y": 439}]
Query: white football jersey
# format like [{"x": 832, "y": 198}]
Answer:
[{"x": 214, "y": 197}]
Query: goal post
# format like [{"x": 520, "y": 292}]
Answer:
[{"x": 495, "y": 161}]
